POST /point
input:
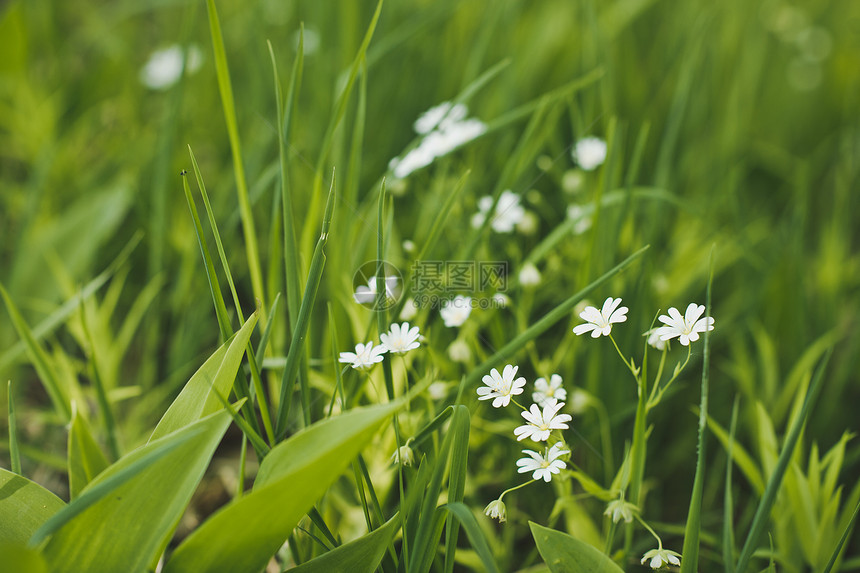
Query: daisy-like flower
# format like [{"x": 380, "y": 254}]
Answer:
[
  {"x": 686, "y": 327},
  {"x": 508, "y": 214},
  {"x": 660, "y": 557},
  {"x": 364, "y": 357},
  {"x": 496, "y": 509},
  {"x": 619, "y": 509},
  {"x": 459, "y": 351},
  {"x": 455, "y": 312},
  {"x": 548, "y": 390},
  {"x": 400, "y": 339},
  {"x": 542, "y": 422},
  {"x": 367, "y": 294},
  {"x": 529, "y": 275},
  {"x": 654, "y": 340},
  {"x": 545, "y": 465},
  {"x": 589, "y": 153},
  {"x": 600, "y": 321},
  {"x": 501, "y": 387}
]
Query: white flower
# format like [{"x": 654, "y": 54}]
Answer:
[
  {"x": 365, "y": 356},
  {"x": 542, "y": 423},
  {"x": 548, "y": 390},
  {"x": 405, "y": 454},
  {"x": 528, "y": 224},
  {"x": 508, "y": 214},
  {"x": 455, "y": 312},
  {"x": 410, "y": 309},
  {"x": 661, "y": 557},
  {"x": 529, "y": 275},
  {"x": 655, "y": 341},
  {"x": 545, "y": 465},
  {"x": 600, "y": 322},
  {"x": 435, "y": 116},
  {"x": 437, "y": 390},
  {"x": 500, "y": 387},
  {"x": 501, "y": 299},
  {"x": 619, "y": 509},
  {"x": 310, "y": 40},
  {"x": 459, "y": 351},
  {"x": 409, "y": 246},
  {"x": 572, "y": 181},
  {"x": 686, "y": 327},
  {"x": 367, "y": 294},
  {"x": 589, "y": 153},
  {"x": 164, "y": 67},
  {"x": 412, "y": 161},
  {"x": 579, "y": 401},
  {"x": 496, "y": 510},
  {"x": 400, "y": 339},
  {"x": 581, "y": 218}
]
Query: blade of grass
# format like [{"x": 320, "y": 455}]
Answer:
[
  {"x": 101, "y": 394},
  {"x": 545, "y": 322},
  {"x": 474, "y": 533},
  {"x": 728, "y": 504},
  {"x": 41, "y": 361},
  {"x": 762, "y": 514},
  {"x": 223, "y": 72},
  {"x": 14, "y": 454},
  {"x": 838, "y": 549},
  {"x": 264, "y": 340},
  {"x": 693, "y": 527},
  {"x": 293, "y": 356},
  {"x": 456, "y": 487}
]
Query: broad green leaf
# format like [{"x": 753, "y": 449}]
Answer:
[
  {"x": 86, "y": 459},
  {"x": 131, "y": 509},
  {"x": 198, "y": 398},
  {"x": 21, "y": 559},
  {"x": 359, "y": 556},
  {"x": 245, "y": 534},
  {"x": 24, "y": 507},
  {"x": 565, "y": 554}
]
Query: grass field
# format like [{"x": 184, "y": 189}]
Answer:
[{"x": 193, "y": 200}]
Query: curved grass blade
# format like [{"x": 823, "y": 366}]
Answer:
[
  {"x": 142, "y": 497},
  {"x": 362, "y": 555},
  {"x": 14, "y": 454},
  {"x": 565, "y": 554},
  {"x": 242, "y": 536},
  {"x": 762, "y": 514},
  {"x": 474, "y": 533},
  {"x": 86, "y": 459},
  {"x": 24, "y": 507},
  {"x": 223, "y": 72},
  {"x": 728, "y": 504},
  {"x": 838, "y": 549}
]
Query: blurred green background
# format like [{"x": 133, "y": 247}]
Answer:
[{"x": 749, "y": 115}]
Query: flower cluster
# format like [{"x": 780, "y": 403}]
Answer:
[
  {"x": 444, "y": 128},
  {"x": 400, "y": 339}
]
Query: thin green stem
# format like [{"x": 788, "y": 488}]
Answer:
[
  {"x": 651, "y": 531},
  {"x": 516, "y": 487}
]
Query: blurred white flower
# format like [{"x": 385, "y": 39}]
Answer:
[
  {"x": 435, "y": 116},
  {"x": 367, "y": 294},
  {"x": 404, "y": 455},
  {"x": 164, "y": 67},
  {"x": 400, "y": 339},
  {"x": 501, "y": 387},
  {"x": 365, "y": 356},
  {"x": 496, "y": 510},
  {"x": 660, "y": 557},
  {"x": 581, "y": 219},
  {"x": 410, "y": 309},
  {"x": 655, "y": 341},
  {"x": 600, "y": 321},
  {"x": 686, "y": 327},
  {"x": 529, "y": 275},
  {"x": 412, "y": 161},
  {"x": 548, "y": 390},
  {"x": 545, "y": 465},
  {"x": 459, "y": 351},
  {"x": 311, "y": 41},
  {"x": 408, "y": 246},
  {"x": 541, "y": 423},
  {"x": 455, "y": 311},
  {"x": 507, "y": 215},
  {"x": 572, "y": 181},
  {"x": 501, "y": 299},
  {"x": 437, "y": 390},
  {"x": 579, "y": 401},
  {"x": 528, "y": 224},
  {"x": 589, "y": 153},
  {"x": 619, "y": 509}
]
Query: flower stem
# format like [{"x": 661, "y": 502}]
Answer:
[{"x": 516, "y": 487}]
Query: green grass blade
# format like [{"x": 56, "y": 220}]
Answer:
[
  {"x": 728, "y": 504},
  {"x": 457, "y": 484},
  {"x": 40, "y": 359},
  {"x": 296, "y": 345},
  {"x": 362, "y": 555},
  {"x": 14, "y": 454},
  {"x": 545, "y": 322},
  {"x": 264, "y": 339},
  {"x": 565, "y": 554},
  {"x": 224, "y": 86},
  {"x": 245, "y": 534},
  {"x": 85, "y": 458},
  {"x": 690, "y": 562},
  {"x": 24, "y": 507},
  {"x": 762, "y": 514},
  {"x": 99, "y": 386},
  {"x": 474, "y": 533},
  {"x": 838, "y": 549}
]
